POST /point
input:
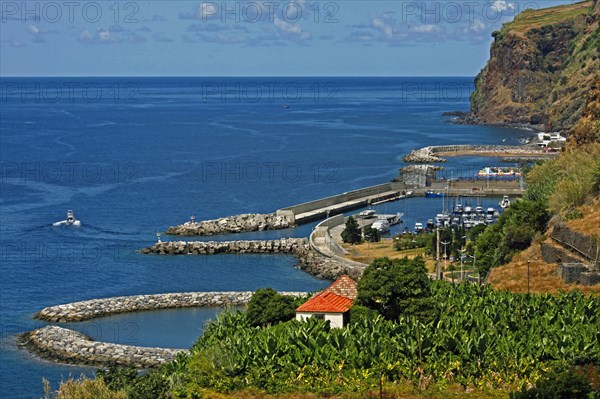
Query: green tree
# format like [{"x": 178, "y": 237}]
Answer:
[
  {"x": 487, "y": 252},
  {"x": 352, "y": 233},
  {"x": 371, "y": 234},
  {"x": 397, "y": 287},
  {"x": 268, "y": 307}
]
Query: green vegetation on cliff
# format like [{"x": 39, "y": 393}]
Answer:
[{"x": 541, "y": 69}]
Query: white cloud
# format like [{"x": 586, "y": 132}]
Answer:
[
  {"x": 387, "y": 29},
  {"x": 427, "y": 28},
  {"x": 476, "y": 27},
  {"x": 33, "y": 29},
  {"x": 501, "y": 5},
  {"x": 291, "y": 30}
]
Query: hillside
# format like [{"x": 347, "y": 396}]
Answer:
[{"x": 541, "y": 70}]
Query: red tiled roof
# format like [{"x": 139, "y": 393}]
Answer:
[{"x": 337, "y": 298}]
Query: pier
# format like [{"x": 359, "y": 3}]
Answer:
[{"x": 337, "y": 204}]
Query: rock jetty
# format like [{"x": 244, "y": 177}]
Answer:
[
  {"x": 423, "y": 155},
  {"x": 233, "y": 224},
  {"x": 85, "y": 310},
  {"x": 284, "y": 245},
  {"x": 67, "y": 346},
  {"x": 428, "y": 154}
]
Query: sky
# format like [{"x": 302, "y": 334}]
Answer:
[{"x": 251, "y": 38}]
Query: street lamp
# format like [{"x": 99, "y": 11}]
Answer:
[
  {"x": 462, "y": 257},
  {"x": 474, "y": 260}
]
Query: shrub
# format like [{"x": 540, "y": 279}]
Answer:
[
  {"x": 83, "y": 388},
  {"x": 267, "y": 307},
  {"x": 151, "y": 385}
]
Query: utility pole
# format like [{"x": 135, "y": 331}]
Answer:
[
  {"x": 445, "y": 254},
  {"x": 528, "y": 276},
  {"x": 438, "y": 253}
]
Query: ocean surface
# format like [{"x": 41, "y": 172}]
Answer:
[{"x": 133, "y": 156}]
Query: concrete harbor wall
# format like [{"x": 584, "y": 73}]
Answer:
[
  {"x": 234, "y": 224},
  {"x": 86, "y": 310},
  {"x": 67, "y": 346},
  {"x": 330, "y": 206}
]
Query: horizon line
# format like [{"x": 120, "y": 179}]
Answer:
[{"x": 236, "y": 76}]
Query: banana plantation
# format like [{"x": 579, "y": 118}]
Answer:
[{"x": 479, "y": 337}]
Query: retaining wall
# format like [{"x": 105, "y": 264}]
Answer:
[{"x": 587, "y": 246}]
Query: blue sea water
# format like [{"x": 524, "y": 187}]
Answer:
[{"x": 132, "y": 156}]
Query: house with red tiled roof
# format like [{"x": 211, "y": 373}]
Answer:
[{"x": 332, "y": 303}]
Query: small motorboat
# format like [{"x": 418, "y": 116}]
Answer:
[
  {"x": 69, "y": 221},
  {"x": 433, "y": 194},
  {"x": 418, "y": 227},
  {"x": 505, "y": 203}
]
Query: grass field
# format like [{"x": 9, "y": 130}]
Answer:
[
  {"x": 367, "y": 252},
  {"x": 542, "y": 276},
  {"x": 531, "y": 19}
]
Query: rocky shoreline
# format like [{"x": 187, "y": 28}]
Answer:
[
  {"x": 470, "y": 118},
  {"x": 233, "y": 224},
  {"x": 309, "y": 260},
  {"x": 63, "y": 345}
]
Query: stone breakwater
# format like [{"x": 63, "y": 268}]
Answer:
[
  {"x": 85, "y": 310},
  {"x": 284, "y": 245},
  {"x": 233, "y": 224},
  {"x": 428, "y": 154},
  {"x": 309, "y": 260},
  {"x": 68, "y": 346}
]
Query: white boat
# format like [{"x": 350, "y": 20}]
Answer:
[
  {"x": 392, "y": 219},
  {"x": 505, "y": 203},
  {"x": 382, "y": 225},
  {"x": 69, "y": 221},
  {"x": 369, "y": 213},
  {"x": 418, "y": 227}
]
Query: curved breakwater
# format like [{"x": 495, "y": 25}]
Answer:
[
  {"x": 67, "y": 346},
  {"x": 86, "y": 310}
]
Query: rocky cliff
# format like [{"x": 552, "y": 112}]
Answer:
[{"x": 542, "y": 68}]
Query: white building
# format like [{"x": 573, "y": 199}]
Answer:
[{"x": 330, "y": 304}]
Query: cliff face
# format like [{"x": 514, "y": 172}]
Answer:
[{"x": 541, "y": 69}]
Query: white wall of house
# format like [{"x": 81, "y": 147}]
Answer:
[{"x": 336, "y": 320}]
